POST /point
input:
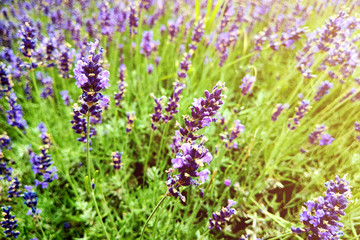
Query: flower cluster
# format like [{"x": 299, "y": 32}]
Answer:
[
  {"x": 130, "y": 121},
  {"x": 357, "y": 130},
  {"x": 235, "y": 132},
  {"x": 319, "y": 137},
  {"x": 47, "y": 82},
  {"x": 156, "y": 117},
  {"x": 14, "y": 188},
  {"x": 323, "y": 90},
  {"x": 65, "y": 97},
  {"x": 5, "y": 78},
  {"x": 91, "y": 78},
  {"x": 4, "y": 169},
  {"x": 301, "y": 110},
  {"x": 133, "y": 21},
  {"x": 31, "y": 200},
  {"x": 203, "y": 111},
  {"x": 28, "y": 41},
  {"x": 116, "y": 158},
  {"x": 64, "y": 57},
  {"x": 41, "y": 166},
  {"x": 9, "y": 222},
  {"x": 321, "y": 216},
  {"x": 278, "y": 110},
  {"x": 45, "y": 137},
  {"x": 15, "y": 113},
  {"x": 148, "y": 45},
  {"x": 122, "y": 85},
  {"x": 171, "y": 108},
  {"x": 5, "y": 141},
  {"x": 220, "y": 218},
  {"x": 247, "y": 84},
  {"x": 173, "y": 102},
  {"x": 187, "y": 162},
  {"x": 185, "y": 64},
  {"x": 198, "y": 32}
]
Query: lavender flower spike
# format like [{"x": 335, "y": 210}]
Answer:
[
  {"x": 9, "y": 222},
  {"x": 130, "y": 121},
  {"x": 301, "y": 110},
  {"x": 247, "y": 84},
  {"x": 116, "y": 157},
  {"x": 203, "y": 111},
  {"x": 323, "y": 90},
  {"x": 5, "y": 141},
  {"x": 156, "y": 117},
  {"x": 278, "y": 110},
  {"x": 91, "y": 78},
  {"x": 220, "y": 218},
  {"x": 187, "y": 163},
  {"x": 31, "y": 200},
  {"x": 173, "y": 103},
  {"x": 321, "y": 217}
]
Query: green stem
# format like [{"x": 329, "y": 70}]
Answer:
[
  {"x": 152, "y": 214},
  {"x": 41, "y": 228},
  {"x": 99, "y": 214},
  {"x": 87, "y": 147},
  {"x": 148, "y": 154},
  {"x": 89, "y": 165}
]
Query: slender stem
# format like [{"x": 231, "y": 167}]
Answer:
[
  {"x": 152, "y": 214},
  {"x": 148, "y": 154},
  {"x": 89, "y": 165},
  {"x": 87, "y": 146},
  {"x": 41, "y": 228},
  {"x": 99, "y": 214}
]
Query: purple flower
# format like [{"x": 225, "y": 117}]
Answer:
[
  {"x": 187, "y": 162},
  {"x": 5, "y": 78},
  {"x": 4, "y": 170},
  {"x": 28, "y": 40},
  {"x": 130, "y": 121},
  {"x": 197, "y": 34},
  {"x": 150, "y": 68},
  {"x": 133, "y": 20},
  {"x": 301, "y": 110},
  {"x": 220, "y": 218},
  {"x": 65, "y": 96},
  {"x": 184, "y": 65},
  {"x": 173, "y": 28},
  {"x": 203, "y": 111},
  {"x": 278, "y": 110},
  {"x": 227, "y": 182},
  {"x": 323, "y": 90},
  {"x": 122, "y": 85},
  {"x": 148, "y": 45},
  {"x": 357, "y": 129},
  {"x": 247, "y": 84},
  {"x": 173, "y": 103},
  {"x": 116, "y": 158},
  {"x": 14, "y": 187},
  {"x": 64, "y": 57},
  {"x": 41, "y": 166},
  {"x": 31, "y": 200},
  {"x": 5, "y": 141},
  {"x": 315, "y": 135},
  {"x": 15, "y": 114},
  {"x": 92, "y": 79},
  {"x": 156, "y": 117},
  {"x": 9, "y": 223},
  {"x": 235, "y": 132},
  {"x": 321, "y": 217},
  {"x": 45, "y": 137},
  {"x": 326, "y": 139}
]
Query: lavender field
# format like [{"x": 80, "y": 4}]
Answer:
[{"x": 181, "y": 119}]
